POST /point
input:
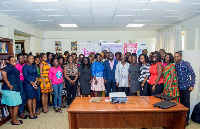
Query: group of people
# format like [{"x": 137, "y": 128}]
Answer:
[{"x": 30, "y": 76}]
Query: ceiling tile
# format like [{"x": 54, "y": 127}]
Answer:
[
  {"x": 103, "y": 12},
  {"x": 11, "y": 13},
  {"x": 159, "y": 5},
  {"x": 131, "y": 5},
  {"x": 184, "y": 7},
  {"x": 10, "y": 1},
  {"x": 79, "y": 12},
  {"x": 49, "y": 5},
  {"x": 117, "y": 17},
  {"x": 150, "y": 13},
  {"x": 104, "y": 4},
  {"x": 126, "y": 12},
  {"x": 55, "y": 12},
  {"x": 3, "y": 7},
  {"x": 40, "y": 17},
  {"x": 190, "y": 1},
  {"x": 30, "y": 13},
  {"x": 76, "y": 5},
  {"x": 21, "y": 5},
  {"x": 82, "y": 17},
  {"x": 100, "y": 14},
  {"x": 100, "y": 17}
]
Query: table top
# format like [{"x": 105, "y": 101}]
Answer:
[{"x": 133, "y": 104}]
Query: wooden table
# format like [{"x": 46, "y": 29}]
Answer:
[{"x": 137, "y": 112}]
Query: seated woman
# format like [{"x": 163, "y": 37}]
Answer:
[{"x": 11, "y": 89}]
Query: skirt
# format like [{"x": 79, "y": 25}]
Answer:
[
  {"x": 100, "y": 85},
  {"x": 30, "y": 91},
  {"x": 11, "y": 98}
]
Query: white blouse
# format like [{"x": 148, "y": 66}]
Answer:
[{"x": 121, "y": 74}]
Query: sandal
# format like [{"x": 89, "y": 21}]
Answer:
[
  {"x": 20, "y": 122},
  {"x": 56, "y": 110},
  {"x": 23, "y": 117},
  {"x": 63, "y": 106},
  {"x": 44, "y": 111},
  {"x": 33, "y": 117}
]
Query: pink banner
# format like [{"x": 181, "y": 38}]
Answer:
[{"x": 130, "y": 47}]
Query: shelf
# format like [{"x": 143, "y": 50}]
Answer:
[
  {"x": 5, "y": 54},
  {"x": 6, "y": 40},
  {"x": 4, "y": 120}
]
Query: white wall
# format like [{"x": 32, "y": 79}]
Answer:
[
  {"x": 66, "y": 37},
  {"x": 14, "y": 24},
  {"x": 191, "y": 26},
  {"x": 26, "y": 42},
  {"x": 10, "y": 25},
  {"x": 3, "y": 31},
  {"x": 191, "y": 45},
  {"x": 194, "y": 95}
]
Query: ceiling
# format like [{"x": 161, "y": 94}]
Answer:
[{"x": 100, "y": 15}]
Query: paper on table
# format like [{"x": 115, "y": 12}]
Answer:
[{"x": 95, "y": 99}]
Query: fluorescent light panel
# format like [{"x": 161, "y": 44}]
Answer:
[
  {"x": 135, "y": 25},
  {"x": 68, "y": 25},
  {"x": 42, "y": 0},
  {"x": 165, "y": 0}
]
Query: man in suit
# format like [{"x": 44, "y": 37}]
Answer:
[{"x": 109, "y": 74}]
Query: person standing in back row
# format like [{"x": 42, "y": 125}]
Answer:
[
  {"x": 109, "y": 74},
  {"x": 186, "y": 80}
]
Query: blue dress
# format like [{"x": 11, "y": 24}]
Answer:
[
  {"x": 11, "y": 97},
  {"x": 30, "y": 75}
]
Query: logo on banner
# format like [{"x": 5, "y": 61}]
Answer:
[{"x": 85, "y": 52}]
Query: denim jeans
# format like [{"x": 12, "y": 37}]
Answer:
[
  {"x": 23, "y": 96},
  {"x": 57, "y": 91},
  {"x": 38, "y": 99}
]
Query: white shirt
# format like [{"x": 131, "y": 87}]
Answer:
[{"x": 121, "y": 74}]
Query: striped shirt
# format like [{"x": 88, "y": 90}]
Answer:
[
  {"x": 144, "y": 72},
  {"x": 186, "y": 75}
]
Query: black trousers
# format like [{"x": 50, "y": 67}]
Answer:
[
  {"x": 123, "y": 89},
  {"x": 71, "y": 90},
  {"x": 158, "y": 90},
  {"x": 145, "y": 91},
  {"x": 109, "y": 86},
  {"x": 185, "y": 100}
]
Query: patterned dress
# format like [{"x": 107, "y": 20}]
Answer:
[
  {"x": 45, "y": 74},
  {"x": 167, "y": 78}
]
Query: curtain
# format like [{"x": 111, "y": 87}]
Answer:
[{"x": 170, "y": 40}]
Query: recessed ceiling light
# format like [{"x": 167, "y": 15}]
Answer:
[
  {"x": 68, "y": 25},
  {"x": 165, "y": 0},
  {"x": 42, "y": 0},
  {"x": 135, "y": 25}
]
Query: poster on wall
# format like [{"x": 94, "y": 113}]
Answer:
[
  {"x": 140, "y": 47},
  {"x": 134, "y": 48},
  {"x": 111, "y": 47},
  {"x": 87, "y": 48},
  {"x": 18, "y": 48},
  {"x": 74, "y": 46},
  {"x": 130, "y": 47},
  {"x": 58, "y": 46}
]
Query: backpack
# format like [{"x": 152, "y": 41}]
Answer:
[{"x": 196, "y": 113}]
